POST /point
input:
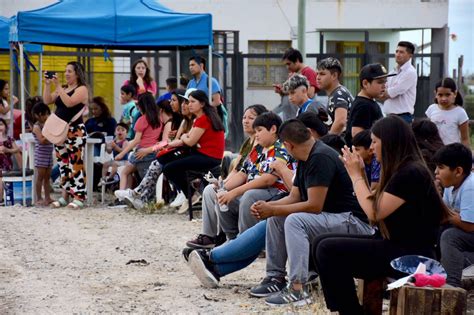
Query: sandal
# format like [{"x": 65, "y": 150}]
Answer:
[
  {"x": 76, "y": 204},
  {"x": 61, "y": 202}
]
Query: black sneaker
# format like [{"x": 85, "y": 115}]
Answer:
[
  {"x": 220, "y": 239},
  {"x": 289, "y": 296},
  {"x": 203, "y": 269},
  {"x": 202, "y": 241},
  {"x": 268, "y": 286},
  {"x": 117, "y": 204},
  {"x": 186, "y": 252}
]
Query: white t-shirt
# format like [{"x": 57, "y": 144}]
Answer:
[{"x": 448, "y": 122}]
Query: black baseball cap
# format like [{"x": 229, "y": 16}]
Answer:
[{"x": 374, "y": 71}]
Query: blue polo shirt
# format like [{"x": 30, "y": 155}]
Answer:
[
  {"x": 202, "y": 84},
  {"x": 462, "y": 200}
]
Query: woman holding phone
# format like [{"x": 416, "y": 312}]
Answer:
[{"x": 70, "y": 99}]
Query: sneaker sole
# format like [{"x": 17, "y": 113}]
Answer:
[
  {"x": 262, "y": 295},
  {"x": 199, "y": 269},
  {"x": 297, "y": 303},
  {"x": 131, "y": 205}
]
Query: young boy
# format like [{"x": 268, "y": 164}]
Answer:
[
  {"x": 171, "y": 85},
  {"x": 361, "y": 143},
  {"x": 115, "y": 147},
  {"x": 339, "y": 97},
  {"x": 256, "y": 180},
  {"x": 130, "y": 112},
  {"x": 365, "y": 110},
  {"x": 297, "y": 88},
  {"x": 453, "y": 171}
]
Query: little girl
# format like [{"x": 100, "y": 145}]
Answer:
[
  {"x": 4, "y": 105},
  {"x": 7, "y": 148},
  {"x": 43, "y": 155},
  {"x": 448, "y": 115}
]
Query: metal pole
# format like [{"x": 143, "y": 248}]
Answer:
[
  {"x": 209, "y": 54},
  {"x": 302, "y": 27},
  {"x": 178, "y": 64},
  {"x": 22, "y": 100},
  {"x": 12, "y": 85},
  {"x": 40, "y": 75}
]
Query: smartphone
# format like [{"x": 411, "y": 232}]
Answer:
[{"x": 49, "y": 74}]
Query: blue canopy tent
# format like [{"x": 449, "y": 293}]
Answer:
[{"x": 114, "y": 24}]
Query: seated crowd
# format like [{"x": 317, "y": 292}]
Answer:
[{"x": 335, "y": 184}]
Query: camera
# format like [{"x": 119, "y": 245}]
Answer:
[{"x": 49, "y": 74}]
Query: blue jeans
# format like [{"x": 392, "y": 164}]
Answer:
[
  {"x": 241, "y": 251},
  {"x": 406, "y": 117}
]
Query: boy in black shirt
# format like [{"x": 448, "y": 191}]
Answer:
[
  {"x": 365, "y": 110},
  {"x": 321, "y": 201},
  {"x": 339, "y": 97}
]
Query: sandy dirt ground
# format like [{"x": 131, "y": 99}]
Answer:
[{"x": 64, "y": 261}]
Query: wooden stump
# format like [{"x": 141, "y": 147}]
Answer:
[
  {"x": 408, "y": 300},
  {"x": 370, "y": 294}
]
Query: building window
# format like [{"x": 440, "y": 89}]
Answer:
[{"x": 263, "y": 72}]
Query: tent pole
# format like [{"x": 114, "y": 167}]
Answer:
[
  {"x": 40, "y": 75},
  {"x": 12, "y": 86},
  {"x": 178, "y": 65},
  {"x": 22, "y": 100},
  {"x": 209, "y": 58}
]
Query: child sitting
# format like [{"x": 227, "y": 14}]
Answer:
[
  {"x": 43, "y": 155},
  {"x": 362, "y": 145},
  {"x": 7, "y": 148},
  {"x": 115, "y": 146},
  {"x": 130, "y": 112},
  {"x": 453, "y": 171}
]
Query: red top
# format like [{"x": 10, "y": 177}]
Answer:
[
  {"x": 212, "y": 142},
  {"x": 150, "y": 136},
  {"x": 310, "y": 74}
]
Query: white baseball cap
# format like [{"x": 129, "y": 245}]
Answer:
[{"x": 188, "y": 91}]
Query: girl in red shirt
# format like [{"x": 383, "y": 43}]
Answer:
[{"x": 207, "y": 135}]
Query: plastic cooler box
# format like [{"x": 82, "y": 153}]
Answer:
[{"x": 13, "y": 187}]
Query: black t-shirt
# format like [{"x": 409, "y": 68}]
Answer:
[
  {"x": 364, "y": 112},
  {"x": 68, "y": 113},
  {"x": 323, "y": 168},
  {"x": 416, "y": 222},
  {"x": 339, "y": 98}
]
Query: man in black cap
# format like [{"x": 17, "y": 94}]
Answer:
[{"x": 365, "y": 110}]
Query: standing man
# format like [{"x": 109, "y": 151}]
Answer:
[
  {"x": 339, "y": 97},
  {"x": 197, "y": 67},
  {"x": 294, "y": 63},
  {"x": 400, "y": 95}
]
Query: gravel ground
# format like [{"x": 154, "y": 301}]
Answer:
[{"x": 65, "y": 261}]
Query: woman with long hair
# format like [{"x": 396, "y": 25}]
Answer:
[
  {"x": 147, "y": 132},
  {"x": 406, "y": 207},
  {"x": 70, "y": 99},
  {"x": 141, "y": 79},
  {"x": 101, "y": 120},
  {"x": 207, "y": 134}
]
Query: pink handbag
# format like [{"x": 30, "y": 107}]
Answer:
[{"x": 55, "y": 129}]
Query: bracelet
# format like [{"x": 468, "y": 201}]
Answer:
[{"x": 357, "y": 179}]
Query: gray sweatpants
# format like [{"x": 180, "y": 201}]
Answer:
[
  {"x": 238, "y": 218},
  {"x": 210, "y": 223},
  {"x": 290, "y": 238},
  {"x": 457, "y": 253}
]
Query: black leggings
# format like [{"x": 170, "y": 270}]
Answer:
[
  {"x": 341, "y": 258},
  {"x": 175, "y": 171}
]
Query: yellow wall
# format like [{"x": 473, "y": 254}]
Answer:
[{"x": 103, "y": 76}]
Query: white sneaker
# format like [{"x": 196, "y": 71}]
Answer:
[
  {"x": 178, "y": 201},
  {"x": 185, "y": 206},
  {"x": 121, "y": 194},
  {"x": 135, "y": 203}
]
